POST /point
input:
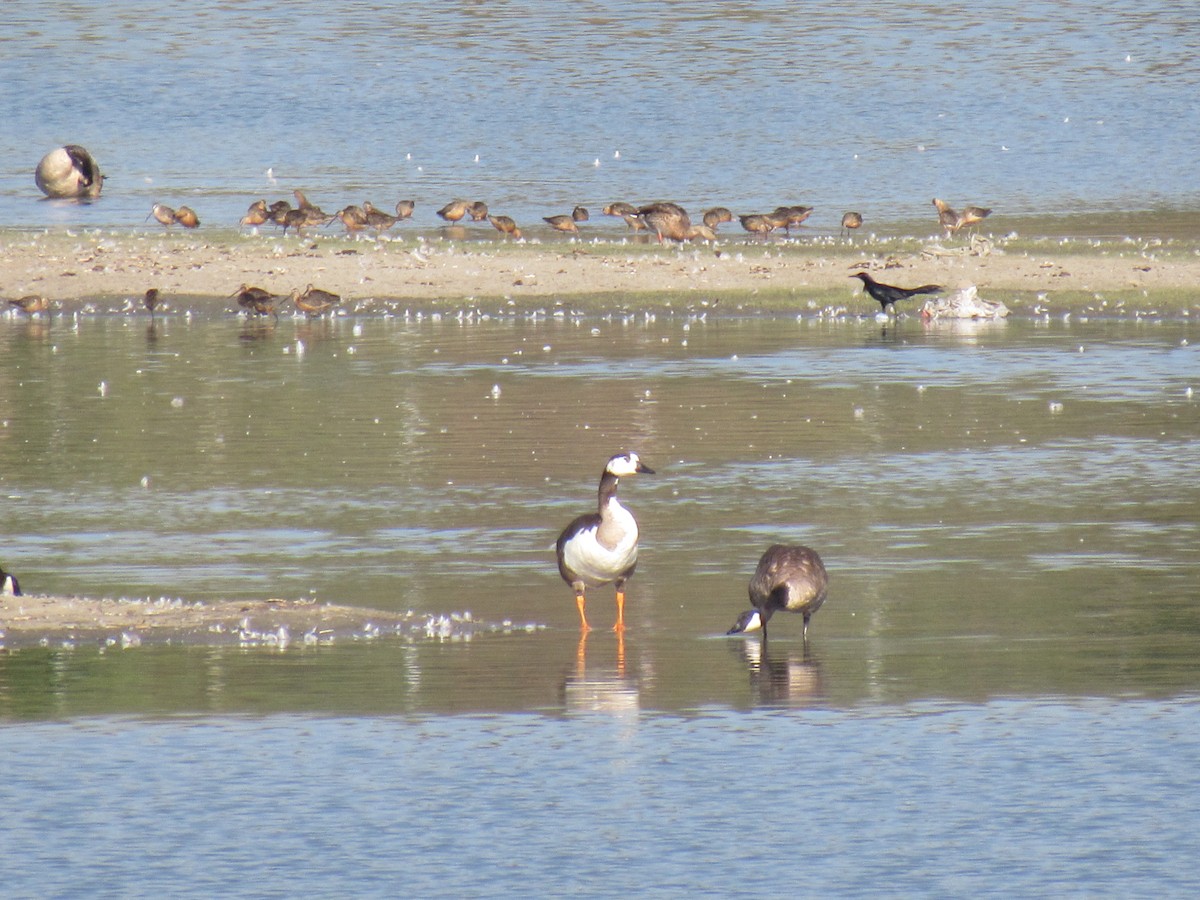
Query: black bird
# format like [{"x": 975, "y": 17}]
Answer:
[
  {"x": 8, "y": 584},
  {"x": 790, "y": 578},
  {"x": 888, "y": 294}
]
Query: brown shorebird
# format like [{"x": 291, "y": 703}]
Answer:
[
  {"x": 295, "y": 219},
  {"x": 313, "y": 214},
  {"x": 186, "y": 216},
  {"x": 670, "y": 220},
  {"x": 562, "y": 223},
  {"x": 162, "y": 214},
  {"x": 620, "y": 209},
  {"x": 455, "y": 210},
  {"x": 952, "y": 221},
  {"x": 277, "y": 210},
  {"x": 151, "y": 299},
  {"x": 31, "y": 305},
  {"x": 315, "y": 302},
  {"x": 851, "y": 221},
  {"x": 377, "y": 218},
  {"x": 256, "y": 300},
  {"x": 580, "y": 214},
  {"x": 717, "y": 216},
  {"x": 759, "y": 224},
  {"x": 256, "y": 214},
  {"x": 792, "y": 215},
  {"x": 888, "y": 294},
  {"x": 404, "y": 208},
  {"x": 478, "y": 211},
  {"x": 505, "y": 226},
  {"x": 353, "y": 217}
]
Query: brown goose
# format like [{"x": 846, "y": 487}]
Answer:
[
  {"x": 601, "y": 547},
  {"x": 788, "y": 578}
]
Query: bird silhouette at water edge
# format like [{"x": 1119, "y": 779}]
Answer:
[{"x": 890, "y": 294}]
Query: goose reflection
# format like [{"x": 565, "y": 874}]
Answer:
[
  {"x": 601, "y": 687},
  {"x": 781, "y": 676}
]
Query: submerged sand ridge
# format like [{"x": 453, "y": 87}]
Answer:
[
  {"x": 104, "y": 272},
  {"x": 29, "y": 621}
]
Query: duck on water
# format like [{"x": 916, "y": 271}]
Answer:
[{"x": 601, "y": 547}]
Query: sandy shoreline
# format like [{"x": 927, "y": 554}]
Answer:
[
  {"x": 109, "y": 272},
  {"x": 27, "y": 621}
]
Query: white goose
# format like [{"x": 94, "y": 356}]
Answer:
[{"x": 601, "y": 547}]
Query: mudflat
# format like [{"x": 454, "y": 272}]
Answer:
[{"x": 106, "y": 272}]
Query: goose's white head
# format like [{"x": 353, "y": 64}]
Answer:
[
  {"x": 627, "y": 464},
  {"x": 750, "y": 620}
]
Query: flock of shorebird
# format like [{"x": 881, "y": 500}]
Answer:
[{"x": 668, "y": 221}]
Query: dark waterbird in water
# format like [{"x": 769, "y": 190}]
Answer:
[
  {"x": 151, "y": 300},
  {"x": 601, "y": 547},
  {"x": 256, "y": 300},
  {"x": 888, "y": 294},
  {"x": 788, "y": 578}
]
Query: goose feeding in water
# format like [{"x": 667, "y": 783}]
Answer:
[
  {"x": 790, "y": 578},
  {"x": 601, "y": 547}
]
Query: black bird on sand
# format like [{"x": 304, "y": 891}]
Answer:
[{"x": 887, "y": 294}]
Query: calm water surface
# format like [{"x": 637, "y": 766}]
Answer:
[
  {"x": 1032, "y": 108},
  {"x": 999, "y": 693}
]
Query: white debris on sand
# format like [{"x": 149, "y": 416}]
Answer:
[{"x": 964, "y": 303}]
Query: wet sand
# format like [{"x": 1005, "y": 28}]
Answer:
[
  {"x": 29, "y": 621},
  {"x": 197, "y": 272}
]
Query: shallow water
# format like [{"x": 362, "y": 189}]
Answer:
[
  {"x": 999, "y": 695},
  {"x": 1032, "y": 108},
  {"x": 1006, "y": 509}
]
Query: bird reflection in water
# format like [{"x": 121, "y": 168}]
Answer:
[
  {"x": 779, "y": 677},
  {"x": 601, "y": 687}
]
